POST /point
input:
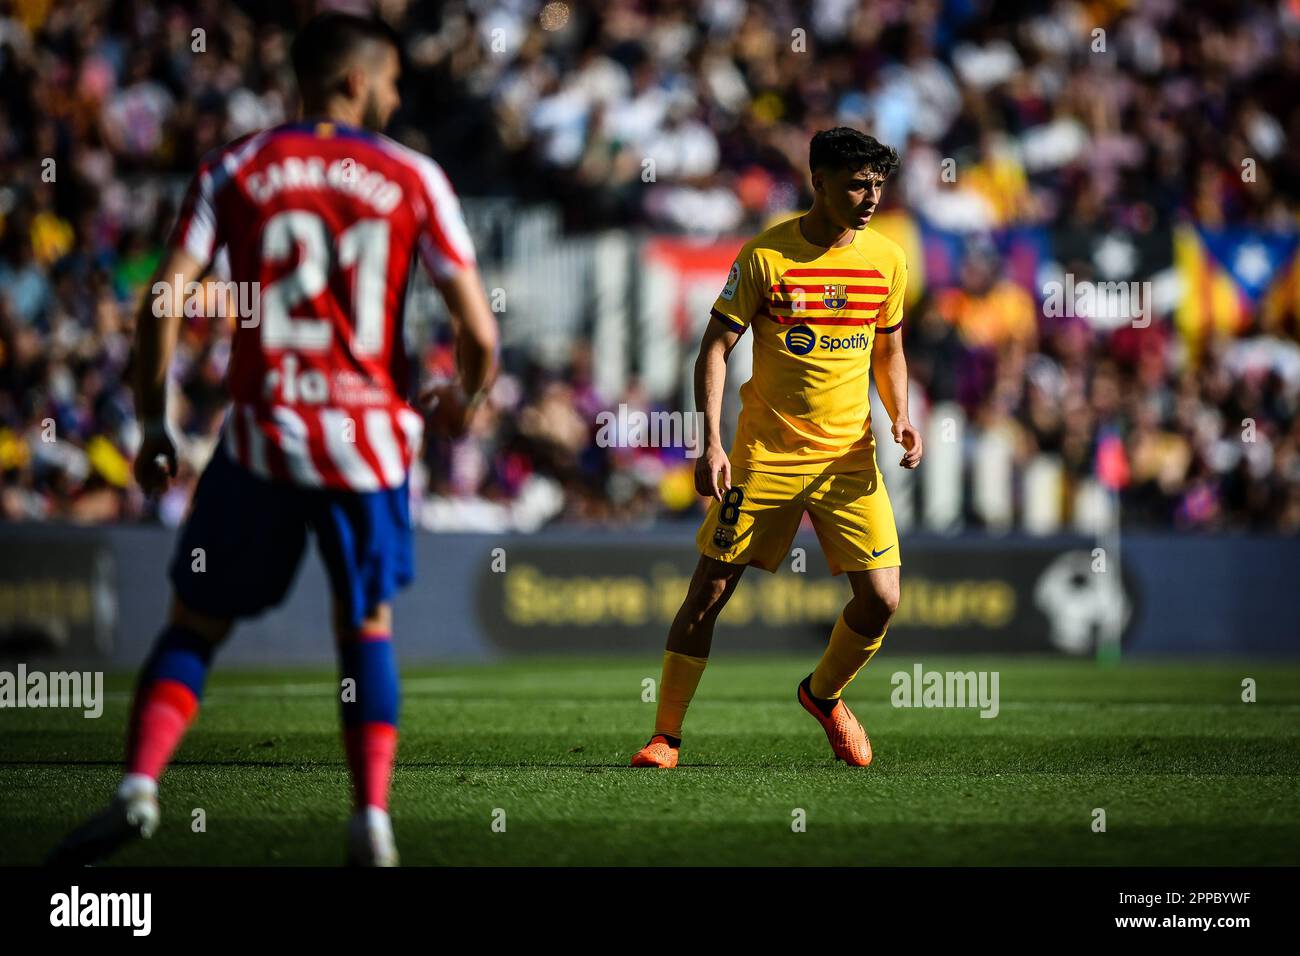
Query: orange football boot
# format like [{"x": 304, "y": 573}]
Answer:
[
  {"x": 659, "y": 752},
  {"x": 848, "y": 737}
]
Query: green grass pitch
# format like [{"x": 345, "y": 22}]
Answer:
[{"x": 1186, "y": 772}]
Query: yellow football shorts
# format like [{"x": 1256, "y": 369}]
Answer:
[{"x": 756, "y": 521}]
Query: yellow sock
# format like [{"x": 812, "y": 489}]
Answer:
[
  {"x": 681, "y": 675},
  {"x": 846, "y": 654}
]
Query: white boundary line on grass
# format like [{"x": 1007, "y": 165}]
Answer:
[
  {"x": 416, "y": 685},
  {"x": 424, "y": 685}
]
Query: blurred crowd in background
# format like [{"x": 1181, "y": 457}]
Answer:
[{"x": 1117, "y": 119}]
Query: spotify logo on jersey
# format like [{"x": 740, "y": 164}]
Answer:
[{"x": 800, "y": 340}]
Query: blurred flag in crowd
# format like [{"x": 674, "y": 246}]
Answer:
[{"x": 1233, "y": 277}]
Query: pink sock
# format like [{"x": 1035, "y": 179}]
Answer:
[
  {"x": 371, "y": 748},
  {"x": 161, "y": 713}
]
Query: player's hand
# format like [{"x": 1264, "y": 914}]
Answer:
[
  {"x": 449, "y": 410},
  {"x": 713, "y": 473},
  {"x": 155, "y": 463},
  {"x": 905, "y": 434}
]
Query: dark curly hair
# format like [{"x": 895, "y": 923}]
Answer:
[{"x": 846, "y": 148}]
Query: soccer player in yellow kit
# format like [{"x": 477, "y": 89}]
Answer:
[{"x": 824, "y": 296}]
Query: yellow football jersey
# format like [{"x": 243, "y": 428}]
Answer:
[{"x": 815, "y": 314}]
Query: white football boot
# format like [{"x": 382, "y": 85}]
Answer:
[
  {"x": 370, "y": 839},
  {"x": 133, "y": 813}
]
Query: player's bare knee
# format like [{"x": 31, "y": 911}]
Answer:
[
  {"x": 871, "y": 609},
  {"x": 875, "y": 594},
  {"x": 710, "y": 588},
  {"x": 212, "y": 629},
  {"x": 883, "y": 604},
  {"x": 887, "y": 600},
  {"x": 706, "y": 598}
]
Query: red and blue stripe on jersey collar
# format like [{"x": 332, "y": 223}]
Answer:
[{"x": 327, "y": 129}]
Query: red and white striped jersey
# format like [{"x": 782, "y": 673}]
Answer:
[{"x": 323, "y": 222}]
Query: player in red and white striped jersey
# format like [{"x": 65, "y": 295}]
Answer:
[
  {"x": 322, "y": 221},
  {"x": 325, "y": 219}
]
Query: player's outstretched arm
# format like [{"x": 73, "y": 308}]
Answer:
[
  {"x": 713, "y": 468},
  {"x": 156, "y": 328},
  {"x": 476, "y": 333},
  {"x": 890, "y": 370}
]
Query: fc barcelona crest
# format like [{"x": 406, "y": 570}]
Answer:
[{"x": 834, "y": 297}]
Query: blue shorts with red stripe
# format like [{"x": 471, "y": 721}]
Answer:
[{"x": 245, "y": 536}]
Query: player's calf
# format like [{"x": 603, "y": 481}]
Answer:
[
  {"x": 369, "y": 707},
  {"x": 167, "y": 699},
  {"x": 678, "y": 682},
  {"x": 684, "y": 661}
]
